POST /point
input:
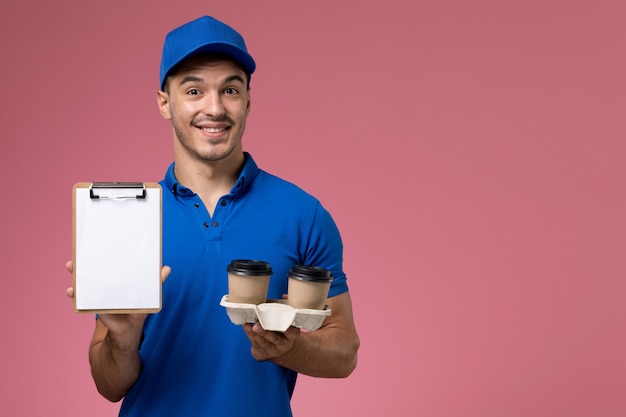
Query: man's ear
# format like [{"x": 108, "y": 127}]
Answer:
[
  {"x": 163, "y": 101},
  {"x": 248, "y": 106}
]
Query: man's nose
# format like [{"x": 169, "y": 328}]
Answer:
[{"x": 213, "y": 105}]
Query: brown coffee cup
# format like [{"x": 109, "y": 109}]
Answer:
[
  {"x": 248, "y": 281},
  {"x": 308, "y": 287}
]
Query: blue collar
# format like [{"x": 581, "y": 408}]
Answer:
[{"x": 247, "y": 174}]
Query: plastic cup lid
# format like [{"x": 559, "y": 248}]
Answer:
[
  {"x": 249, "y": 267},
  {"x": 310, "y": 273}
]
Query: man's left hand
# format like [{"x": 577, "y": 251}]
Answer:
[{"x": 267, "y": 345}]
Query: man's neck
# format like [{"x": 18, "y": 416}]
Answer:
[{"x": 209, "y": 179}]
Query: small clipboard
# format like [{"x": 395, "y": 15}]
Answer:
[{"x": 117, "y": 247}]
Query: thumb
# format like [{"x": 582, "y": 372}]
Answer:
[{"x": 165, "y": 272}]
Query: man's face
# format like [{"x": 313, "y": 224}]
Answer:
[{"x": 208, "y": 101}]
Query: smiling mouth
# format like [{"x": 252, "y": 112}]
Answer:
[{"x": 213, "y": 129}]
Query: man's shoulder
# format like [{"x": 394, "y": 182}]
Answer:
[{"x": 275, "y": 185}]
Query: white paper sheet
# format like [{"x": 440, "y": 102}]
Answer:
[{"x": 118, "y": 251}]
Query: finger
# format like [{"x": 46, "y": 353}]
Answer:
[
  {"x": 292, "y": 333},
  {"x": 256, "y": 331},
  {"x": 271, "y": 334},
  {"x": 259, "y": 330},
  {"x": 268, "y": 337},
  {"x": 247, "y": 328},
  {"x": 256, "y": 334},
  {"x": 165, "y": 272},
  {"x": 69, "y": 265}
]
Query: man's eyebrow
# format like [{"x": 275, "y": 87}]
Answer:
[
  {"x": 190, "y": 79},
  {"x": 234, "y": 77}
]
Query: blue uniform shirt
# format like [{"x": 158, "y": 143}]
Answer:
[{"x": 195, "y": 361}]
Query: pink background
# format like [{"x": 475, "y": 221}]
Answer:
[{"x": 471, "y": 152}]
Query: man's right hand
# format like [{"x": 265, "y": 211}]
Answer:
[
  {"x": 114, "y": 348},
  {"x": 120, "y": 325}
]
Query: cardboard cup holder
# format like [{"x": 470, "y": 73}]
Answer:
[{"x": 274, "y": 315}]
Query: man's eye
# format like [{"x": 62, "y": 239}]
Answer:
[
  {"x": 193, "y": 92},
  {"x": 231, "y": 90}
]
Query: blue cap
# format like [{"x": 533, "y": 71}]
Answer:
[{"x": 205, "y": 34}]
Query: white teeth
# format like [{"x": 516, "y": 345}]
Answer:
[{"x": 214, "y": 129}]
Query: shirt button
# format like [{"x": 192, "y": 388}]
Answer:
[
  {"x": 223, "y": 203},
  {"x": 206, "y": 225},
  {"x": 215, "y": 224},
  {"x": 196, "y": 205}
]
